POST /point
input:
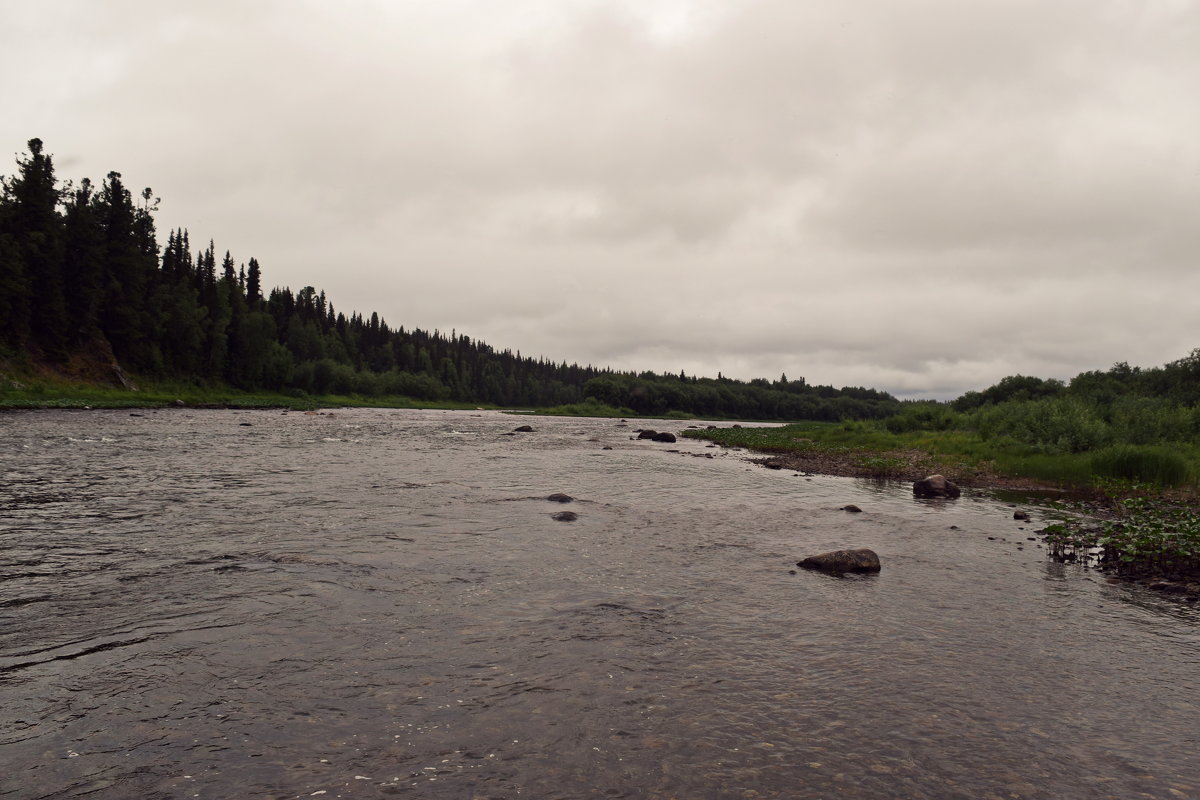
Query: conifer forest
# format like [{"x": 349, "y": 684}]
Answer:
[{"x": 85, "y": 280}]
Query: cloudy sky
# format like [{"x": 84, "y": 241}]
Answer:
[{"x": 917, "y": 195}]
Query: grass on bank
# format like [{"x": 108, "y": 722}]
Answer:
[
  {"x": 23, "y": 393},
  {"x": 963, "y": 455},
  {"x": 592, "y": 408}
]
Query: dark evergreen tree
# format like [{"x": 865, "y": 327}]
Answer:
[
  {"x": 37, "y": 306},
  {"x": 253, "y": 285},
  {"x": 83, "y": 263}
]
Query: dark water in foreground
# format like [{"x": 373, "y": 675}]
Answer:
[{"x": 378, "y": 603}]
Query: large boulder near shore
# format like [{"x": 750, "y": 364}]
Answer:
[
  {"x": 935, "y": 486},
  {"x": 664, "y": 437},
  {"x": 647, "y": 434},
  {"x": 839, "y": 561}
]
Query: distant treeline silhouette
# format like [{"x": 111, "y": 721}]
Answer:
[{"x": 83, "y": 278}]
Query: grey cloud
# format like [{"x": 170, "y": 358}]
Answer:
[{"x": 922, "y": 196}]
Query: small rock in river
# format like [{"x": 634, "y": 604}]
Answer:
[
  {"x": 852, "y": 508},
  {"x": 559, "y": 497},
  {"x": 523, "y": 429},
  {"x": 565, "y": 516}
]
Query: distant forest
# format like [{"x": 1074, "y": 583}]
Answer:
[{"x": 84, "y": 281}]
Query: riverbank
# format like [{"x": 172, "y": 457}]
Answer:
[{"x": 1135, "y": 532}]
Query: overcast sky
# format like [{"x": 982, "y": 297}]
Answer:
[{"x": 921, "y": 196}]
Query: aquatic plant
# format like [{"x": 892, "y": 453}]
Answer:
[
  {"x": 1149, "y": 537},
  {"x": 1152, "y": 537}
]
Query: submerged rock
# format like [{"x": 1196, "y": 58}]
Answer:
[
  {"x": 664, "y": 437},
  {"x": 565, "y": 516},
  {"x": 559, "y": 497},
  {"x": 523, "y": 429},
  {"x": 1020, "y": 515},
  {"x": 851, "y": 508},
  {"x": 647, "y": 434},
  {"x": 839, "y": 561},
  {"x": 935, "y": 486}
]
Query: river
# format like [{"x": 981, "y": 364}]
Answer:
[{"x": 377, "y": 603}]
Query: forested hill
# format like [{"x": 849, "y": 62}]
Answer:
[{"x": 85, "y": 286}]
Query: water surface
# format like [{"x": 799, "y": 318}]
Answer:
[{"x": 377, "y": 603}]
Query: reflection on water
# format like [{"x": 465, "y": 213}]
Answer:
[{"x": 379, "y": 603}]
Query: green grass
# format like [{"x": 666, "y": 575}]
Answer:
[
  {"x": 965, "y": 452},
  {"x": 49, "y": 393},
  {"x": 1159, "y": 466},
  {"x": 586, "y": 409}
]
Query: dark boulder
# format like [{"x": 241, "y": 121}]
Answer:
[
  {"x": 664, "y": 437},
  {"x": 852, "y": 508},
  {"x": 647, "y": 434},
  {"x": 565, "y": 516},
  {"x": 935, "y": 486},
  {"x": 559, "y": 497},
  {"x": 1020, "y": 515},
  {"x": 839, "y": 561},
  {"x": 523, "y": 429}
]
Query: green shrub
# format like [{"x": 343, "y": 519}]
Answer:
[
  {"x": 1055, "y": 425},
  {"x": 922, "y": 417}
]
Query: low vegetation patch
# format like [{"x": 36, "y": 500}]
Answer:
[
  {"x": 1148, "y": 538},
  {"x": 51, "y": 393}
]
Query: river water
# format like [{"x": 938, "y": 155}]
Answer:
[{"x": 379, "y": 603}]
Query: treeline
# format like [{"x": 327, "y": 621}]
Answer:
[
  {"x": 82, "y": 276},
  {"x": 1097, "y": 409}
]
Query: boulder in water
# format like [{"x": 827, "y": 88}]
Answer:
[
  {"x": 839, "y": 561},
  {"x": 559, "y": 497},
  {"x": 523, "y": 429},
  {"x": 935, "y": 486}
]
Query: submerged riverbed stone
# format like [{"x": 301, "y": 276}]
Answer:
[
  {"x": 565, "y": 516},
  {"x": 860, "y": 559},
  {"x": 559, "y": 497},
  {"x": 935, "y": 486},
  {"x": 523, "y": 429}
]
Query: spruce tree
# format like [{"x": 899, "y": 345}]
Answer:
[{"x": 34, "y": 270}]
